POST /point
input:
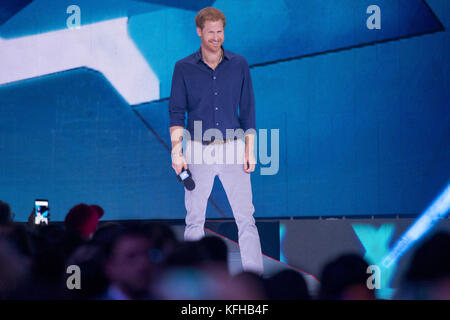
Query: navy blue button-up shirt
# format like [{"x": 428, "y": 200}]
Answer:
[{"x": 222, "y": 98}]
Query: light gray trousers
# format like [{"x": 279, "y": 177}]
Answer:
[{"x": 225, "y": 160}]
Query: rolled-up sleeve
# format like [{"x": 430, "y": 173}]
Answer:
[
  {"x": 247, "y": 100},
  {"x": 178, "y": 98}
]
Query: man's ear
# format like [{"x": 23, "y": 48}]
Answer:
[{"x": 199, "y": 32}]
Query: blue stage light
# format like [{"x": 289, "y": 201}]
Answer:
[
  {"x": 435, "y": 212},
  {"x": 282, "y": 238}
]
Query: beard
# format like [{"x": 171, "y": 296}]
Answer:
[{"x": 214, "y": 48}]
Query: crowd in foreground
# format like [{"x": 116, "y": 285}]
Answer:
[{"x": 84, "y": 258}]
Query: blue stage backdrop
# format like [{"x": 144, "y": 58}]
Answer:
[{"x": 363, "y": 114}]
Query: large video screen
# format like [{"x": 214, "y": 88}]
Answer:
[{"x": 352, "y": 104}]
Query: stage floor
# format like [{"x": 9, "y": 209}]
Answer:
[{"x": 271, "y": 265}]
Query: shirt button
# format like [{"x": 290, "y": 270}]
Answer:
[
  {"x": 214, "y": 77},
  {"x": 217, "y": 123},
  {"x": 217, "y": 108},
  {"x": 215, "y": 93}
]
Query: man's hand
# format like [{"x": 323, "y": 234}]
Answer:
[
  {"x": 31, "y": 217},
  {"x": 249, "y": 161},
  {"x": 249, "y": 154},
  {"x": 178, "y": 162}
]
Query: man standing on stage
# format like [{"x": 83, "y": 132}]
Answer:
[{"x": 214, "y": 87}]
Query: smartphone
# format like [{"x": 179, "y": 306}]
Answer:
[{"x": 41, "y": 210}]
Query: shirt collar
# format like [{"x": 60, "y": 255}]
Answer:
[{"x": 198, "y": 55}]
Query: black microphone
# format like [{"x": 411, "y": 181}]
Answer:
[{"x": 185, "y": 176}]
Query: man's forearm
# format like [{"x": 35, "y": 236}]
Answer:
[
  {"x": 176, "y": 136},
  {"x": 249, "y": 142}
]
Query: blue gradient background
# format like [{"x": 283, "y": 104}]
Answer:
[{"x": 363, "y": 115}]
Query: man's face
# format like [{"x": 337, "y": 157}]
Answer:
[
  {"x": 129, "y": 264},
  {"x": 212, "y": 35}
]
